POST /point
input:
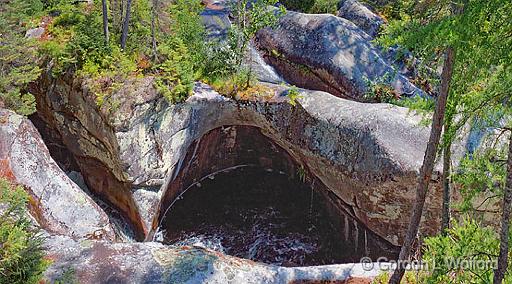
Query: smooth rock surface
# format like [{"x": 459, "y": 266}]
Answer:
[
  {"x": 57, "y": 203},
  {"x": 102, "y": 262},
  {"x": 368, "y": 155},
  {"x": 360, "y": 15},
  {"x": 35, "y": 33},
  {"x": 332, "y": 54}
]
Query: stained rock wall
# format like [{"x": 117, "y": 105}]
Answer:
[
  {"x": 368, "y": 155},
  {"x": 236, "y": 146},
  {"x": 57, "y": 204},
  {"x": 67, "y": 106}
]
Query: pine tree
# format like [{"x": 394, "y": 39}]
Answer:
[
  {"x": 481, "y": 32},
  {"x": 105, "y": 20},
  {"x": 126, "y": 23}
]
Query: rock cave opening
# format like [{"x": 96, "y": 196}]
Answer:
[
  {"x": 256, "y": 214},
  {"x": 241, "y": 194}
]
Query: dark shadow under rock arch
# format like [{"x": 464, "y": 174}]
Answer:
[{"x": 232, "y": 147}]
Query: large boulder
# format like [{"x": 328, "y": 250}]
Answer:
[
  {"x": 103, "y": 262},
  {"x": 57, "y": 204},
  {"x": 332, "y": 54},
  {"x": 360, "y": 15},
  {"x": 367, "y": 155}
]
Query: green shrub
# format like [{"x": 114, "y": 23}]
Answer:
[
  {"x": 448, "y": 257},
  {"x": 483, "y": 173},
  {"x": 18, "y": 56},
  {"x": 67, "y": 277},
  {"x": 88, "y": 43},
  {"x": 467, "y": 253},
  {"x": 187, "y": 26},
  {"x": 176, "y": 77},
  {"x": 293, "y": 95},
  {"x": 24, "y": 104},
  {"x": 312, "y": 6},
  {"x": 139, "y": 35},
  {"x": 220, "y": 60},
  {"x": 22, "y": 11},
  {"x": 234, "y": 76},
  {"x": 410, "y": 277},
  {"x": 324, "y": 7},
  {"x": 298, "y": 5},
  {"x": 21, "y": 253}
]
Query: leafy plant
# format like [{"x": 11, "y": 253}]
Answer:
[
  {"x": 176, "y": 72},
  {"x": 324, "y": 7},
  {"x": 187, "y": 26},
  {"x": 18, "y": 59},
  {"x": 250, "y": 17},
  {"x": 293, "y": 95},
  {"x": 67, "y": 277},
  {"x": 410, "y": 277},
  {"x": 484, "y": 172},
  {"x": 220, "y": 60},
  {"x": 466, "y": 254},
  {"x": 298, "y": 5},
  {"x": 380, "y": 90},
  {"x": 301, "y": 172},
  {"x": 312, "y": 6},
  {"x": 21, "y": 252}
]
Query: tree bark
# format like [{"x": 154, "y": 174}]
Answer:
[
  {"x": 115, "y": 12},
  {"x": 154, "y": 4},
  {"x": 113, "y": 15},
  {"x": 447, "y": 156},
  {"x": 427, "y": 167},
  {"x": 499, "y": 273},
  {"x": 121, "y": 16},
  {"x": 126, "y": 23},
  {"x": 105, "y": 19}
]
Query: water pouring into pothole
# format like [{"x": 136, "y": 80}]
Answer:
[{"x": 255, "y": 214}]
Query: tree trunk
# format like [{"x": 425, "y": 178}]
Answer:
[
  {"x": 448, "y": 137},
  {"x": 153, "y": 28},
  {"x": 115, "y": 12},
  {"x": 126, "y": 23},
  {"x": 499, "y": 273},
  {"x": 427, "y": 167},
  {"x": 113, "y": 15},
  {"x": 447, "y": 156},
  {"x": 121, "y": 16},
  {"x": 105, "y": 19}
]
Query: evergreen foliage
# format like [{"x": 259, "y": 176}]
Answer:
[
  {"x": 18, "y": 55},
  {"x": 480, "y": 32},
  {"x": 21, "y": 252},
  {"x": 312, "y": 6}
]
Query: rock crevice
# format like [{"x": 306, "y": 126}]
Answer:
[{"x": 365, "y": 152}]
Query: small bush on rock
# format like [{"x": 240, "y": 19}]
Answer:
[{"x": 21, "y": 252}]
